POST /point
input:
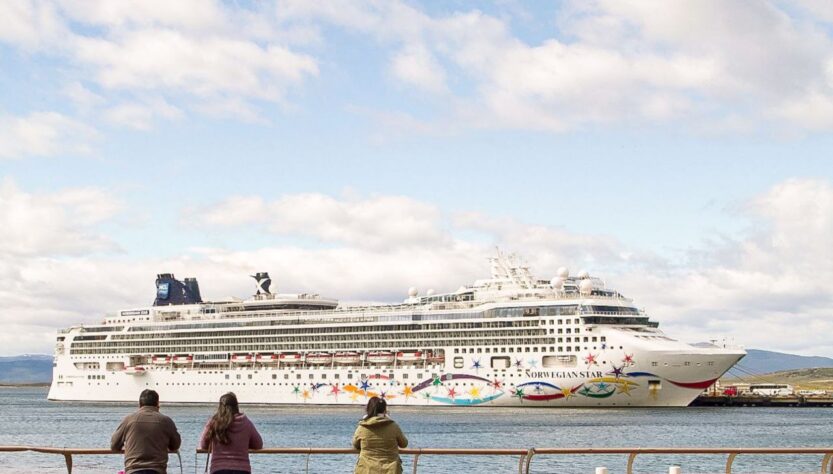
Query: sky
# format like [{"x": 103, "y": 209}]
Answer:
[{"x": 679, "y": 150}]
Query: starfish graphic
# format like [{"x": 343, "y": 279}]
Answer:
[
  {"x": 335, "y": 390},
  {"x": 476, "y": 365},
  {"x": 475, "y": 393},
  {"x": 452, "y": 393},
  {"x": 538, "y": 388},
  {"x": 628, "y": 360},
  {"x": 585, "y": 391},
  {"x": 590, "y": 359},
  {"x": 532, "y": 363},
  {"x": 601, "y": 386},
  {"x": 625, "y": 388},
  {"x": 567, "y": 392},
  {"x": 426, "y": 396},
  {"x": 519, "y": 363},
  {"x": 364, "y": 385},
  {"x": 296, "y": 389},
  {"x": 383, "y": 395},
  {"x": 519, "y": 392},
  {"x": 408, "y": 392},
  {"x": 617, "y": 371},
  {"x": 305, "y": 394},
  {"x": 497, "y": 384},
  {"x": 354, "y": 396},
  {"x": 436, "y": 382}
]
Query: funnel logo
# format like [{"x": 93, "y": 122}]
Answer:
[{"x": 162, "y": 290}]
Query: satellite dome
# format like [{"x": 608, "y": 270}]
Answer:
[
  {"x": 429, "y": 292},
  {"x": 586, "y": 286},
  {"x": 583, "y": 274},
  {"x": 412, "y": 292},
  {"x": 557, "y": 283},
  {"x": 563, "y": 272}
]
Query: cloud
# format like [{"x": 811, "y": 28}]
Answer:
[
  {"x": 53, "y": 224},
  {"x": 706, "y": 64},
  {"x": 43, "y": 134},
  {"x": 141, "y": 116},
  {"x": 200, "y": 56},
  {"x": 379, "y": 222}
]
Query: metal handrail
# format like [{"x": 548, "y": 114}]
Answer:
[
  {"x": 524, "y": 463},
  {"x": 826, "y": 464},
  {"x": 69, "y": 452}
]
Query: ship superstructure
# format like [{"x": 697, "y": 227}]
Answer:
[{"x": 510, "y": 339}]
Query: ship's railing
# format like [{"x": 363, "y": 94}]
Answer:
[
  {"x": 525, "y": 456},
  {"x": 68, "y": 453}
]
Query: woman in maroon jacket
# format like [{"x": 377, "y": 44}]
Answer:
[{"x": 229, "y": 435}]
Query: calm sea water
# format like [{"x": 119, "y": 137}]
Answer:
[{"x": 27, "y": 418}]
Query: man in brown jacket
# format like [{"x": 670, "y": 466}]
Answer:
[{"x": 146, "y": 437}]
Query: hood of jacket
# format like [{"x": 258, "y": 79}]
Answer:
[{"x": 375, "y": 421}]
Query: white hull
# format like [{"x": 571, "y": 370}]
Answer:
[{"x": 592, "y": 385}]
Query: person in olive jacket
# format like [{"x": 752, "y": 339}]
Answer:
[{"x": 378, "y": 439}]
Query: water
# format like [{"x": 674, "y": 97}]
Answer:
[{"x": 26, "y": 418}]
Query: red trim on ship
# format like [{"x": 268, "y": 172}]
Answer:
[{"x": 697, "y": 385}]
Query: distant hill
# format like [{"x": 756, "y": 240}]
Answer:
[
  {"x": 764, "y": 362},
  {"x": 30, "y": 368}
]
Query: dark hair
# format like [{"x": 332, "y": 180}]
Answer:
[
  {"x": 149, "y": 398},
  {"x": 376, "y": 406},
  {"x": 221, "y": 421}
]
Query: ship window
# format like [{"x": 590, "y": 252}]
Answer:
[
  {"x": 285, "y": 376},
  {"x": 298, "y": 376},
  {"x": 238, "y": 377},
  {"x": 560, "y": 331},
  {"x": 603, "y": 339},
  {"x": 502, "y": 362},
  {"x": 687, "y": 364},
  {"x": 568, "y": 349},
  {"x": 311, "y": 375},
  {"x": 654, "y": 364},
  {"x": 458, "y": 362},
  {"x": 404, "y": 376},
  {"x": 226, "y": 376},
  {"x": 274, "y": 376}
]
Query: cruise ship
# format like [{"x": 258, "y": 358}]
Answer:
[{"x": 509, "y": 340}]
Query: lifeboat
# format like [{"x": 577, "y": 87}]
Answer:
[
  {"x": 135, "y": 370},
  {"x": 380, "y": 357},
  {"x": 347, "y": 358},
  {"x": 160, "y": 360},
  {"x": 319, "y": 358},
  {"x": 435, "y": 358},
  {"x": 290, "y": 358},
  {"x": 183, "y": 359},
  {"x": 406, "y": 357},
  {"x": 241, "y": 358},
  {"x": 267, "y": 358}
]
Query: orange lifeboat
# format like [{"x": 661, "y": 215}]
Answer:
[
  {"x": 408, "y": 357},
  {"x": 347, "y": 358},
  {"x": 319, "y": 358},
  {"x": 380, "y": 357},
  {"x": 160, "y": 360},
  {"x": 289, "y": 358},
  {"x": 267, "y": 358},
  {"x": 241, "y": 358}
]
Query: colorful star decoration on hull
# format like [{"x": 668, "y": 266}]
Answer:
[
  {"x": 519, "y": 363},
  {"x": 628, "y": 359},
  {"x": 616, "y": 383},
  {"x": 591, "y": 360},
  {"x": 476, "y": 365}
]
